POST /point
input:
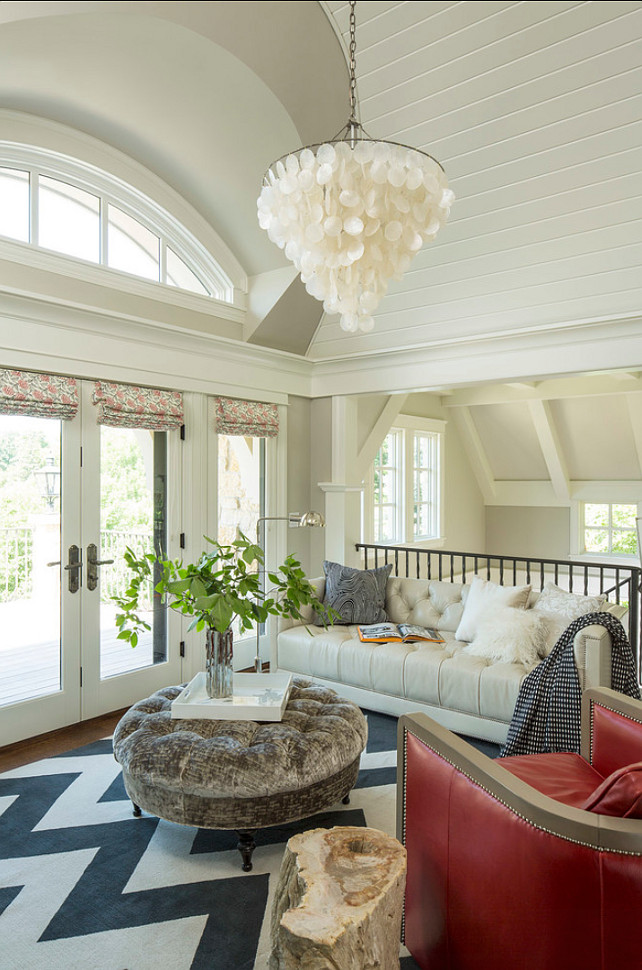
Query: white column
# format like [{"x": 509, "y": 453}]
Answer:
[{"x": 342, "y": 521}]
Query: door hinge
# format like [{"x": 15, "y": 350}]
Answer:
[
  {"x": 181, "y": 648},
  {"x": 182, "y": 432},
  {"x": 81, "y": 676},
  {"x": 181, "y": 540}
]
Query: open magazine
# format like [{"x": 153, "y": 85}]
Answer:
[{"x": 399, "y": 632}]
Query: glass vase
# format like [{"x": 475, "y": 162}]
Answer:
[{"x": 218, "y": 663}]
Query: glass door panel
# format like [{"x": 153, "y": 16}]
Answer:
[
  {"x": 133, "y": 513},
  {"x": 130, "y": 497},
  {"x": 30, "y": 554},
  {"x": 241, "y": 491},
  {"x": 39, "y": 594}
]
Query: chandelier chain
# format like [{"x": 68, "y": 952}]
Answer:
[{"x": 353, "y": 63}]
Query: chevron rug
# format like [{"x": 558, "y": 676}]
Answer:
[{"x": 86, "y": 886}]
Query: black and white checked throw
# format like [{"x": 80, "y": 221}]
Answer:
[{"x": 547, "y": 712}]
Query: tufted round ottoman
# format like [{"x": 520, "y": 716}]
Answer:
[{"x": 241, "y": 775}]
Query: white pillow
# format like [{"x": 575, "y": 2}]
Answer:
[
  {"x": 510, "y": 635},
  {"x": 487, "y": 597},
  {"x": 552, "y": 599},
  {"x": 556, "y": 623}
]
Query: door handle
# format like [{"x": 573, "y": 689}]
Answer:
[
  {"x": 92, "y": 565},
  {"x": 73, "y": 567}
]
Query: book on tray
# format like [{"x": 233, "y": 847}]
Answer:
[{"x": 397, "y": 632}]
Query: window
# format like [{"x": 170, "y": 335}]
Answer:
[
  {"x": 425, "y": 484},
  {"x": 68, "y": 207},
  {"x": 402, "y": 499},
  {"x": 608, "y": 529},
  {"x": 387, "y": 488},
  {"x": 241, "y": 491}
]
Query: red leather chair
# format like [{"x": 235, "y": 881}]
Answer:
[{"x": 508, "y": 869}]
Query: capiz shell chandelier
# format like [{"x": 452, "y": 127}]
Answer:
[{"x": 352, "y": 212}]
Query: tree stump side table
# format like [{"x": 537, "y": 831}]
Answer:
[{"x": 338, "y": 901}]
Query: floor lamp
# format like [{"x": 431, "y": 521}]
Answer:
[{"x": 296, "y": 520}]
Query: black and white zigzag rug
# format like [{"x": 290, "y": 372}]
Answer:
[{"x": 86, "y": 886}]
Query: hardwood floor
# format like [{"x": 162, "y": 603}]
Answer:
[
  {"x": 56, "y": 742},
  {"x": 65, "y": 739}
]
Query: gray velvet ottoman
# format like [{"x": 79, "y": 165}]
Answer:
[{"x": 241, "y": 775}]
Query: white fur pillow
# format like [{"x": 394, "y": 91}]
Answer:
[
  {"x": 556, "y": 624},
  {"x": 486, "y": 598},
  {"x": 510, "y": 635}
]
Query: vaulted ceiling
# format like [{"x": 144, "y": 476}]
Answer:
[{"x": 533, "y": 109}]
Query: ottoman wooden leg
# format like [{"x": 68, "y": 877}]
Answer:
[
  {"x": 136, "y": 810},
  {"x": 246, "y": 846},
  {"x": 346, "y": 799}
]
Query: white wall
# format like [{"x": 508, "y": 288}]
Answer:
[
  {"x": 320, "y": 471},
  {"x": 543, "y": 533},
  {"x": 298, "y": 477}
]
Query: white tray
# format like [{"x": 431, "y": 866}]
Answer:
[{"x": 256, "y": 697}]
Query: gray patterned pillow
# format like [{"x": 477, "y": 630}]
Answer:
[{"x": 358, "y": 595}]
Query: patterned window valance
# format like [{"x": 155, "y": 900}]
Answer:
[
  {"x": 38, "y": 395},
  {"x": 252, "y": 419},
  {"x": 127, "y": 406}
]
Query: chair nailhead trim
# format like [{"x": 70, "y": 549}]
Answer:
[
  {"x": 513, "y": 811},
  {"x": 613, "y": 710}
]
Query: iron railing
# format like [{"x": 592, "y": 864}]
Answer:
[
  {"x": 620, "y": 584},
  {"x": 115, "y": 579},
  {"x": 16, "y": 563}
]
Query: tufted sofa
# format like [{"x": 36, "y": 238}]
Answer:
[{"x": 464, "y": 693}]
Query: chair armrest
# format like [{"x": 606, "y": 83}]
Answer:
[
  {"x": 611, "y": 729},
  {"x": 592, "y": 650},
  {"x": 428, "y": 752}
]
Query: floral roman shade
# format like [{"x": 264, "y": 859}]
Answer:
[
  {"x": 127, "y": 406},
  {"x": 252, "y": 419},
  {"x": 38, "y": 395}
]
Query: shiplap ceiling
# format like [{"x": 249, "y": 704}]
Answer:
[{"x": 534, "y": 109}]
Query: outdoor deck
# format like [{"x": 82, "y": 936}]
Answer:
[{"x": 31, "y": 668}]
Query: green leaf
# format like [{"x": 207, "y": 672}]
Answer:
[
  {"x": 198, "y": 588},
  {"x": 222, "y": 613}
]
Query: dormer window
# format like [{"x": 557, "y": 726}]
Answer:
[{"x": 90, "y": 216}]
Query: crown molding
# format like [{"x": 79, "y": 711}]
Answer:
[
  {"x": 84, "y": 342},
  {"x": 534, "y": 354}
]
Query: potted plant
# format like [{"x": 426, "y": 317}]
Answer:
[{"x": 223, "y": 586}]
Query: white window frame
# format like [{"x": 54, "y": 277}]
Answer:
[
  {"x": 578, "y": 547},
  {"x": 111, "y": 190},
  {"x": 397, "y": 470},
  {"x": 407, "y": 427}
]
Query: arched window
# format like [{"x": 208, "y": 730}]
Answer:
[{"x": 65, "y": 206}]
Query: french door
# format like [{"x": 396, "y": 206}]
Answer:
[{"x": 73, "y": 496}]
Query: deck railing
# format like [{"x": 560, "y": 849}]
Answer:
[
  {"x": 115, "y": 579},
  {"x": 620, "y": 584},
  {"x": 16, "y": 563}
]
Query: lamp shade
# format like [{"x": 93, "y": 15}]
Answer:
[{"x": 312, "y": 519}]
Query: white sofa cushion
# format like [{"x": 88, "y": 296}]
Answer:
[
  {"x": 428, "y": 603},
  {"x": 441, "y": 674},
  {"x": 484, "y": 599}
]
